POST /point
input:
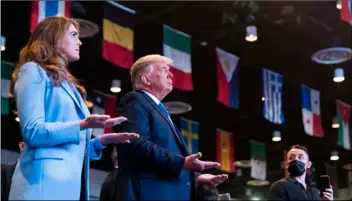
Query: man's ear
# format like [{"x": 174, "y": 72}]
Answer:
[
  {"x": 309, "y": 164},
  {"x": 145, "y": 80}
]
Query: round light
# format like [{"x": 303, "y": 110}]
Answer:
[
  {"x": 17, "y": 119},
  {"x": 3, "y": 42},
  {"x": 276, "y": 136},
  {"x": 338, "y": 4},
  {"x": 339, "y": 75},
  {"x": 263, "y": 98},
  {"x": 334, "y": 156},
  {"x": 335, "y": 123},
  {"x": 251, "y": 33},
  {"x": 115, "y": 86}
]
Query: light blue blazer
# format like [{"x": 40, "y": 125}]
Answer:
[{"x": 57, "y": 152}]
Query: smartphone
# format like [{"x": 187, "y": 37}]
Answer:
[{"x": 323, "y": 183}]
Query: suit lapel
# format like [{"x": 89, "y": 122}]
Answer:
[
  {"x": 175, "y": 131},
  {"x": 70, "y": 92}
]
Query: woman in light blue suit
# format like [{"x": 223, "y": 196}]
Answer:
[{"x": 55, "y": 122}]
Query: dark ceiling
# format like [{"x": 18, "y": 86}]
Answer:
[{"x": 289, "y": 33}]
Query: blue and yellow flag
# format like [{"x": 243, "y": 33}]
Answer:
[{"x": 190, "y": 133}]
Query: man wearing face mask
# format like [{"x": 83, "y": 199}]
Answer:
[{"x": 294, "y": 186}]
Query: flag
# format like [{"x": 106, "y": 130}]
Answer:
[
  {"x": 272, "y": 93},
  {"x": 118, "y": 34},
  {"x": 6, "y": 70},
  {"x": 343, "y": 117},
  {"x": 43, "y": 9},
  {"x": 103, "y": 104},
  {"x": 190, "y": 132},
  {"x": 177, "y": 46},
  {"x": 227, "y": 78},
  {"x": 311, "y": 112},
  {"x": 332, "y": 172},
  {"x": 225, "y": 150},
  {"x": 258, "y": 161},
  {"x": 346, "y": 11}
]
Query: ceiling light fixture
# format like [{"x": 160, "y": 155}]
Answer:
[{"x": 251, "y": 33}]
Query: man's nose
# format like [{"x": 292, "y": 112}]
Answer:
[{"x": 170, "y": 75}]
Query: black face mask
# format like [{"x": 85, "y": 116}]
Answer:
[{"x": 296, "y": 168}]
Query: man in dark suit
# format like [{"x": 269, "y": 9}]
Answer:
[
  {"x": 109, "y": 188},
  {"x": 6, "y": 176},
  {"x": 158, "y": 165}
]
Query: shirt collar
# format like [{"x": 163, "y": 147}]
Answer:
[{"x": 152, "y": 97}]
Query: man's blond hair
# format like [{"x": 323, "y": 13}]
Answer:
[{"x": 143, "y": 64}]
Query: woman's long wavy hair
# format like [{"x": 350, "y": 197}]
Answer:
[{"x": 43, "y": 49}]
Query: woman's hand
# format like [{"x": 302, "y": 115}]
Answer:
[{"x": 100, "y": 121}]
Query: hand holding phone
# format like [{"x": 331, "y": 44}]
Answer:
[{"x": 323, "y": 183}]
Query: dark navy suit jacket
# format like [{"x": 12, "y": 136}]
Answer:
[{"x": 151, "y": 168}]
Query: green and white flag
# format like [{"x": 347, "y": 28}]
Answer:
[
  {"x": 258, "y": 161},
  {"x": 6, "y": 70},
  {"x": 177, "y": 46},
  {"x": 343, "y": 117}
]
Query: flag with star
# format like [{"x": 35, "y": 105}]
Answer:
[
  {"x": 190, "y": 133},
  {"x": 343, "y": 117},
  {"x": 311, "y": 112},
  {"x": 227, "y": 78},
  {"x": 225, "y": 150}
]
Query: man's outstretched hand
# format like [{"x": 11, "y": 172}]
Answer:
[
  {"x": 192, "y": 162},
  {"x": 211, "y": 179}
]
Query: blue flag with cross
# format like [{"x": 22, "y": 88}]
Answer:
[{"x": 190, "y": 133}]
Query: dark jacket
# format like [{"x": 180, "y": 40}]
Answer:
[{"x": 151, "y": 167}]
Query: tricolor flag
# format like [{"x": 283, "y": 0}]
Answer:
[
  {"x": 225, "y": 150},
  {"x": 258, "y": 161},
  {"x": 103, "y": 104},
  {"x": 272, "y": 93},
  {"x": 311, "y": 112},
  {"x": 343, "y": 117},
  {"x": 177, "y": 46},
  {"x": 227, "y": 78},
  {"x": 118, "y": 34},
  {"x": 6, "y": 70},
  {"x": 346, "y": 11},
  {"x": 190, "y": 132},
  {"x": 43, "y": 9}
]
